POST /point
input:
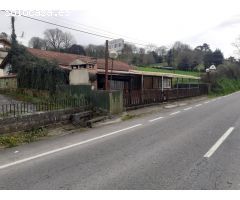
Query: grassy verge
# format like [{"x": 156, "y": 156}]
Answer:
[
  {"x": 18, "y": 96},
  {"x": 150, "y": 69},
  {"x": 9, "y": 140},
  {"x": 128, "y": 117},
  {"x": 225, "y": 86}
]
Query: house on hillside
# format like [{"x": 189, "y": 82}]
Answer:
[
  {"x": 5, "y": 45},
  {"x": 7, "y": 80}
]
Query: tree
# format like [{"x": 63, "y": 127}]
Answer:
[
  {"x": 4, "y": 35},
  {"x": 13, "y": 35},
  {"x": 217, "y": 57},
  {"x": 37, "y": 43},
  {"x": 97, "y": 51},
  {"x": 208, "y": 59},
  {"x": 236, "y": 44},
  {"x": 68, "y": 40},
  {"x": 170, "y": 57},
  {"x": 76, "y": 49},
  {"x": 57, "y": 39}
]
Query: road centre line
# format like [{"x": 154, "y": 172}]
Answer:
[
  {"x": 158, "y": 118},
  {"x": 66, "y": 147},
  {"x": 218, "y": 143},
  {"x": 189, "y": 108},
  {"x": 198, "y": 105},
  {"x": 174, "y": 113},
  {"x": 206, "y": 102}
]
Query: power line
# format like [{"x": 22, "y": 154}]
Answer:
[
  {"x": 98, "y": 29},
  {"x": 73, "y": 29}
]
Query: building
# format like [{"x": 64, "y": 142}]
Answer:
[
  {"x": 5, "y": 45},
  {"x": 122, "y": 76},
  {"x": 116, "y": 45}
]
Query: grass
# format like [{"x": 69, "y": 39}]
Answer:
[
  {"x": 181, "y": 72},
  {"x": 21, "y": 97},
  {"x": 127, "y": 117},
  {"x": 10, "y": 140},
  {"x": 225, "y": 86}
]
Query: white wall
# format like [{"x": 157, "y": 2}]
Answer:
[
  {"x": 79, "y": 76},
  {"x": 1, "y": 72}
]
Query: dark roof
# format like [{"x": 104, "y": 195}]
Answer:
[
  {"x": 65, "y": 59},
  {"x": 9, "y": 76},
  {"x": 6, "y": 41}
]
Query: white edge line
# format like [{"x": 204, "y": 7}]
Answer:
[
  {"x": 66, "y": 147},
  {"x": 218, "y": 143},
  {"x": 152, "y": 120},
  {"x": 175, "y": 113}
]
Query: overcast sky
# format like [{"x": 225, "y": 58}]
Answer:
[{"x": 159, "y": 22}]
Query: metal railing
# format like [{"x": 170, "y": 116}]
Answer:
[{"x": 22, "y": 108}]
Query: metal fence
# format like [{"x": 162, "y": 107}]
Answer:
[
  {"x": 138, "y": 97},
  {"x": 18, "y": 109}
]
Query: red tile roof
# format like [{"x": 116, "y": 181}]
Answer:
[
  {"x": 64, "y": 59},
  {"x": 117, "y": 65}
]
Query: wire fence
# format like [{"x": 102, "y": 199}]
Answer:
[{"x": 22, "y": 108}]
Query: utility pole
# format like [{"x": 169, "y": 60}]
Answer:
[{"x": 106, "y": 66}]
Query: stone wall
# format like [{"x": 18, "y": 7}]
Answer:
[{"x": 26, "y": 122}]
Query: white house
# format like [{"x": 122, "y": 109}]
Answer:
[{"x": 5, "y": 45}]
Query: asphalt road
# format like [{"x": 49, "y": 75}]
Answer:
[{"x": 189, "y": 147}]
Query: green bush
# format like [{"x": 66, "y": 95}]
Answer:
[{"x": 225, "y": 80}]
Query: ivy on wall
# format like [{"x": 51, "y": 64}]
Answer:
[{"x": 36, "y": 73}]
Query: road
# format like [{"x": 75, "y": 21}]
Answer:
[{"x": 189, "y": 147}]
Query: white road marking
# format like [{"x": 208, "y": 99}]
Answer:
[
  {"x": 206, "y": 102},
  {"x": 198, "y": 105},
  {"x": 152, "y": 120},
  {"x": 189, "y": 108},
  {"x": 16, "y": 151},
  {"x": 218, "y": 143},
  {"x": 66, "y": 147},
  {"x": 175, "y": 113}
]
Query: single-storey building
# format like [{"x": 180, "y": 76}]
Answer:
[
  {"x": 88, "y": 70},
  {"x": 121, "y": 75}
]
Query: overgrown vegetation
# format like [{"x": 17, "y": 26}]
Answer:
[
  {"x": 127, "y": 117},
  {"x": 225, "y": 80},
  {"x": 33, "y": 72},
  {"x": 22, "y": 138}
]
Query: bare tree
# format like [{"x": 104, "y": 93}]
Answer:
[
  {"x": 3, "y": 35},
  {"x": 54, "y": 38},
  {"x": 161, "y": 51},
  {"x": 37, "y": 43},
  {"x": 236, "y": 44},
  {"x": 68, "y": 40},
  {"x": 151, "y": 47}
]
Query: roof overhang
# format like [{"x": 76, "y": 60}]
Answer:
[{"x": 143, "y": 73}]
